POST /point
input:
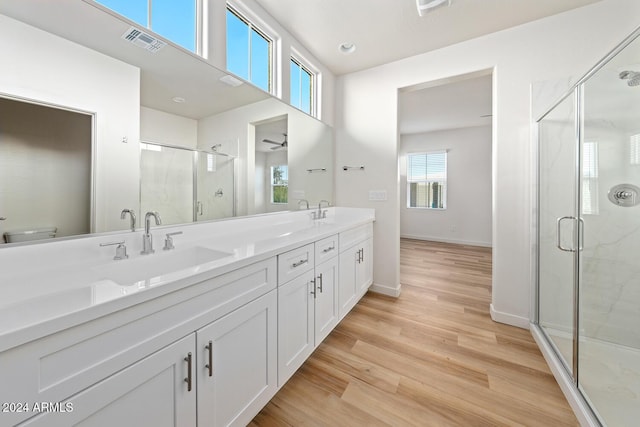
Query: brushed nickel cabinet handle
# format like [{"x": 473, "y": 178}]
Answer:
[
  {"x": 188, "y": 359},
  {"x": 299, "y": 263},
  {"x": 320, "y": 280},
  {"x": 313, "y": 287},
  {"x": 327, "y": 250},
  {"x": 209, "y": 365}
]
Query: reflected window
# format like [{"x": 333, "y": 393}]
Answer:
[
  {"x": 427, "y": 180},
  {"x": 302, "y": 87},
  {"x": 634, "y": 149},
  {"x": 248, "y": 51},
  {"x": 279, "y": 184},
  {"x": 174, "y": 20},
  {"x": 590, "y": 178}
]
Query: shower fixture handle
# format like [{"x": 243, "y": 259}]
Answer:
[{"x": 624, "y": 195}]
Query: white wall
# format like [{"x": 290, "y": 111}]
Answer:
[
  {"x": 310, "y": 146},
  {"x": 165, "y": 128},
  {"x": 467, "y": 218},
  {"x": 366, "y": 132},
  {"x": 39, "y": 66}
]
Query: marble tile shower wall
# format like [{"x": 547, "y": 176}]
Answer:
[
  {"x": 610, "y": 261},
  {"x": 610, "y": 264}
]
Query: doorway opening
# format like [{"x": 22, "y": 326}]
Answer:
[
  {"x": 445, "y": 161},
  {"x": 45, "y": 169}
]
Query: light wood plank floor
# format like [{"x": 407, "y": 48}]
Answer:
[{"x": 432, "y": 357}]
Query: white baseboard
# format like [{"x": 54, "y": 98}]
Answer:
[
  {"x": 573, "y": 396},
  {"x": 509, "y": 319},
  {"x": 446, "y": 240},
  {"x": 385, "y": 290}
]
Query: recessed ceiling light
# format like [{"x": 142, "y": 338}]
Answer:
[
  {"x": 179, "y": 99},
  {"x": 347, "y": 48}
]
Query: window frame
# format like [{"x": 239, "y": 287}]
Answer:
[
  {"x": 314, "y": 74},
  {"x": 254, "y": 24},
  {"x": 198, "y": 24},
  {"x": 429, "y": 182},
  {"x": 272, "y": 185}
]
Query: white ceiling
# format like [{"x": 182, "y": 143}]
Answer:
[
  {"x": 462, "y": 102},
  {"x": 388, "y": 30}
]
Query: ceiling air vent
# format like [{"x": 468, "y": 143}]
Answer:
[{"x": 143, "y": 40}]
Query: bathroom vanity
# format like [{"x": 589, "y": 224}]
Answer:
[{"x": 203, "y": 334}]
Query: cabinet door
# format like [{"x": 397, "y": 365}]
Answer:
[
  {"x": 295, "y": 324},
  {"x": 347, "y": 284},
  {"x": 364, "y": 267},
  {"x": 152, "y": 392},
  {"x": 326, "y": 302},
  {"x": 237, "y": 363}
]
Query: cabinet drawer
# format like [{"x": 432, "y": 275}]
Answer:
[
  {"x": 355, "y": 235},
  {"x": 326, "y": 248},
  {"x": 295, "y": 262}
]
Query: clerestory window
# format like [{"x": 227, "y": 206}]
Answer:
[
  {"x": 249, "y": 51},
  {"x": 303, "y": 83},
  {"x": 175, "y": 20}
]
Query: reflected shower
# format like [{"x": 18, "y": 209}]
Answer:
[{"x": 632, "y": 77}]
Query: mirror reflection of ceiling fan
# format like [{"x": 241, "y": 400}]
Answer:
[{"x": 280, "y": 145}]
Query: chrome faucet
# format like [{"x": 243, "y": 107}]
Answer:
[
  {"x": 320, "y": 213},
  {"x": 147, "y": 238},
  {"x": 131, "y": 213},
  {"x": 305, "y": 201}
]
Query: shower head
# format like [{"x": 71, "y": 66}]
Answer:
[
  {"x": 632, "y": 77},
  {"x": 634, "y": 81}
]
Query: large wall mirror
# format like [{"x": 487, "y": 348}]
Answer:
[{"x": 108, "y": 125}]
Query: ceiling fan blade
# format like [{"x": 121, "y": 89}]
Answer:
[
  {"x": 278, "y": 147},
  {"x": 271, "y": 142}
]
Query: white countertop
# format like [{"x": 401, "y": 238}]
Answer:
[{"x": 47, "y": 287}]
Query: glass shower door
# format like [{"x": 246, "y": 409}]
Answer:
[
  {"x": 556, "y": 227},
  {"x": 166, "y": 183},
  {"x": 215, "y": 197},
  {"x": 609, "y": 264}
]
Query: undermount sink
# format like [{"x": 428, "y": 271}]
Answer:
[{"x": 144, "y": 268}]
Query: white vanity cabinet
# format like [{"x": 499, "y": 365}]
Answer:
[
  {"x": 326, "y": 293},
  {"x": 208, "y": 348},
  {"x": 237, "y": 364},
  {"x": 228, "y": 367},
  {"x": 236, "y": 311},
  {"x": 356, "y": 266},
  {"x": 307, "y": 304},
  {"x": 157, "y": 391}
]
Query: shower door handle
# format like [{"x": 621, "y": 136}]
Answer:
[
  {"x": 581, "y": 229},
  {"x": 199, "y": 208},
  {"x": 558, "y": 240}
]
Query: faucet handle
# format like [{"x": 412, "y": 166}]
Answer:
[
  {"x": 121, "y": 250},
  {"x": 168, "y": 241}
]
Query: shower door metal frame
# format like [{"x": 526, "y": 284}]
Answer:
[
  {"x": 578, "y": 90},
  {"x": 576, "y": 244},
  {"x": 194, "y": 160}
]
